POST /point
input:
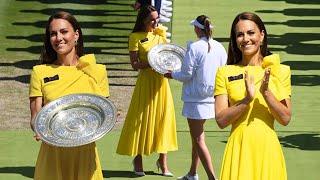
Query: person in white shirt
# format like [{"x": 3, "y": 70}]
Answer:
[{"x": 197, "y": 73}]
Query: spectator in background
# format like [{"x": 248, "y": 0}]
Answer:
[{"x": 140, "y": 3}]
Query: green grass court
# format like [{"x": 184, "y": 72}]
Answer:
[{"x": 294, "y": 32}]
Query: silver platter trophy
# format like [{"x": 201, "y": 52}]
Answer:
[
  {"x": 75, "y": 120},
  {"x": 166, "y": 57}
]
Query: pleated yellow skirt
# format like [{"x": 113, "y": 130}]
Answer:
[
  {"x": 253, "y": 152},
  {"x": 75, "y": 163},
  {"x": 150, "y": 124}
]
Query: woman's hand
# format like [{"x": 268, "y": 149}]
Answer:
[
  {"x": 168, "y": 75},
  {"x": 281, "y": 110},
  {"x": 226, "y": 114},
  {"x": 37, "y": 137},
  {"x": 135, "y": 63},
  {"x": 265, "y": 82},
  {"x": 250, "y": 88}
]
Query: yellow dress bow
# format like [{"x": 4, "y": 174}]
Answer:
[
  {"x": 161, "y": 30},
  {"x": 273, "y": 62},
  {"x": 97, "y": 72}
]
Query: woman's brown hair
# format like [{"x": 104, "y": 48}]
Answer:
[
  {"x": 234, "y": 53},
  {"x": 143, "y": 14},
  {"x": 205, "y": 21},
  {"x": 48, "y": 54}
]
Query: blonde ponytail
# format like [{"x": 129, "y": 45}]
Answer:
[{"x": 207, "y": 31}]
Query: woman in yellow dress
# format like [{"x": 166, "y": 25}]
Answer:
[
  {"x": 150, "y": 124},
  {"x": 64, "y": 70},
  {"x": 252, "y": 91}
]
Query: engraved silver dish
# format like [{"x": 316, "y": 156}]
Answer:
[
  {"x": 75, "y": 120},
  {"x": 166, "y": 57}
]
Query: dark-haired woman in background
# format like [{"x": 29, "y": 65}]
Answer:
[
  {"x": 65, "y": 70},
  {"x": 252, "y": 91},
  {"x": 197, "y": 73},
  {"x": 150, "y": 124}
]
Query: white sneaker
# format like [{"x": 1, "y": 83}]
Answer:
[{"x": 189, "y": 177}]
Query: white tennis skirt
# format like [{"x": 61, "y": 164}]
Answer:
[{"x": 198, "y": 110}]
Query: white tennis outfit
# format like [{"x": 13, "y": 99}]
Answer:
[{"x": 198, "y": 72}]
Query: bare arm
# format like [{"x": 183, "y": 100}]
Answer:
[
  {"x": 35, "y": 106},
  {"x": 281, "y": 110},
  {"x": 135, "y": 63},
  {"x": 226, "y": 115}
]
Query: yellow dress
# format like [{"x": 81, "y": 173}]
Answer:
[
  {"x": 253, "y": 151},
  {"x": 51, "y": 82},
  {"x": 150, "y": 124}
]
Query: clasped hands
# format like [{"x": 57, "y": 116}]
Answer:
[{"x": 250, "y": 86}]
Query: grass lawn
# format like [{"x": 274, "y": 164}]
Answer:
[
  {"x": 19, "y": 151},
  {"x": 294, "y": 32}
]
